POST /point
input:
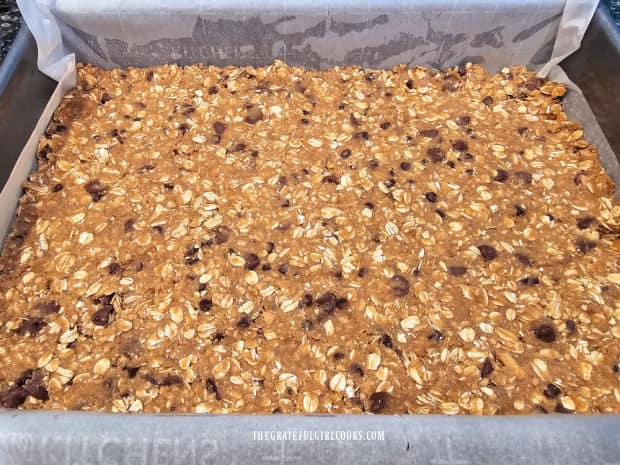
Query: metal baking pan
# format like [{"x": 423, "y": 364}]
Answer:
[{"x": 74, "y": 438}]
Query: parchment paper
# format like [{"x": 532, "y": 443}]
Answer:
[{"x": 316, "y": 34}]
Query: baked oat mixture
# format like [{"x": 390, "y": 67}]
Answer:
[{"x": 266, "y": 240}]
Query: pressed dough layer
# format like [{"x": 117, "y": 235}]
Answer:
[{"x": 275, "y": 239}]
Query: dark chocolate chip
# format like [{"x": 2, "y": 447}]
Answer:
[
  {"x": 552, "y": 391},
  {"x": 522, "y": 130},
  {"x": 571, "y": 326},
  {"x": 171, "y": 380},
  {"x": 385, "y": 125},
  {"x": 435, "y": 154},
  {"x": 530, "y": 280},
  {"x": 356, "y": 370},
  {"x": 131, "y": 371},
  {"x": 389, "y": 183},
  {"x": 373, "y": 164},
  {"x": 501, "y": 176},
  {"x": 158, "y": 229},
  {"x": 584, "y": 245},
  {"x": 219, "y": 128},
  {"x": 212, "y": 388},
  {"x": 346, "y": 153},
  {"x": 57, "y": 187},
  {"x": 96, "y": 189},
  {"x": 304, "y": 121},
  {"x": 386, "y": 341},
  {"x": 308, "y": 325},
  {"x": 251, "y": 261},
  {"x": 102, "y": 316},
  {"x": 545, "y": 331},
  {"x": 369, "y": 205},
  {"x": 330, "y": 179},
  {"x": 105, "y": 97},
  {"x": 244, "y": 322},
  {"x": 222, "y": 234},
  {"x": 487, "y": 252},
  {"x": 254, "y": 115},
  {"x": 307, "y": 300},
  {"x": 338, "y": 356},
  {"x": 266, "y": 267},
  {"x": 430, "y": 133},
  {"x": 523, "y": 259},
  {"x": 440, "y": 213},
  {"x": 457, "y": 270},
  {"x": 405, "y": 166},
  {"x": 524, "y": 176},
  {"x": 114, "y": 268},
  {"x": 460, "y": 145},
  {"x": 431, "y": 197},
  {"x": 30, "y": 326},
  {"x": 409, "y": 84},
  {"x": 13, "y": 397},
  {"x": 362, "y": 272},
  {"x": 129, "y": 226},
  {"x": 379, "y": 402},
  {"x": 488, "y": 100},
  {"x": 486, "y": 369},
  {"x": 435, "y": 335},
  {"x": 400, "y": 285},
  {"x": 212, "y": 90},
  {"x": 585, "y": 222},
  {"x": 326, "y": 302},
  {"x": 559, "y": 408},
  {"x": 205, "y": 304},
  {"x": 342, "y": 303},
  {"x": 519, "y": 210},
  {"x": 533, "y": 83},
  {"x": 463, "y": 120},
  {"x": 48, "y": 307},
  {"x": 283, "y": 268}
]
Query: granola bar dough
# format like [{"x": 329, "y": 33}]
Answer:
[{"x": 275, "y": 239}]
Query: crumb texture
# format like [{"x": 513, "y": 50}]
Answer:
[{"x": 275, "y": 239}]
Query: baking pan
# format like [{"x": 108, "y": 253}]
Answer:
[{"x": 75, "y": 438}]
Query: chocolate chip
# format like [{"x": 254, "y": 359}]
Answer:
[
  {"x": 212, "y": 90},
  {"x": 435, "y": 335},
  {"x": 533, "y": 83},
  {"x": 346, "y": 153},
  {"x": 373, "y": 164},
  {"x": 431, "y": 197},
  {"x": 559, "y": 408},
  {"x": 463, "y": 120},
  {"x": 571, "y": 326},
  {"x": 441, "y": 213},
  {"x": 104, "y": 299},
  {"x": 486, "y": 369},
  {"x": 389, "y": 183},
  {"x": 530, "y": 281},
  {"x": 409, "y": 84},
  {"x": 457, "y": 270},
  {"x": 501, "y": 176},
  {"x": 524, "y": 176},
  {"x": 522, "y": 130},
  {"x": 356, "y": 370},
  {"x": 386, "y": 341},
  {"x": 283, "y": 268},
  {"x": 106, "y": 98},
  {"x": 57, "y": 187},
  {"x": 266, "y": 267},
  {"x": 523, "y": 259},
  {"x": 488, "y": 100},
  {"x": 102, "y": 316},
  {"x": 338, "y": 356},
  {"x": 435, "y": 154},
  {"x": 307, "y": 300},
  {"x": 369, "y": 205},
  {"x": 304, "y": 121},
  {"x": 47, "y": 307},
  {"x": 615, "y": 368},
  {"x": 219, "y": 128},
  {"x": 171, "y": 380},
  {"x": 385, "y": 125},
  {"x": 362, "y": 135},
  {"x": 400, "y": 285},
  {"x": 327, "y": 302},
  {"x": 430, "y": 133},
  {"x": 487, "y": 252},
  {"x": 244, "y": 322},
  {"x": 13, "y": 397},
  {"x": 552, "y": 391},
  {"x": 362, "y": 272},
  {"x": 96, "y": 189},
  {"x": 30, "y": 326},
  {"x": 44, "y": 152},
  {"x": 114, "y": 268},
  {"x": 131, "y": 371},
  {"x": 158, "y": 229},
  {"x": 212, "y": 388},
  {"x": 342, "y": 303},
  {"x": 584, "y": 246},
  {"x": 585, "y": 222},
  {"x": 222, "y": 234},
  {"x": 129, "y": 226},
  {"x": 254, "y": 115},
  {"x": 460, "y": 145},
  {"x": 308, "y": 325},
  {"x": 405, "y": 166},
  {"x": 251, "y": 261},
  {"x": 379, "y": 402},
  {"x": 331, "y": 179},
  {"x": 545, "y": 331},
  {"x": 205, "y": 304},
  {"x": 519, "y": 210},
  {"x": 338, "y": 274}
]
